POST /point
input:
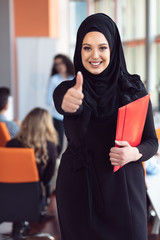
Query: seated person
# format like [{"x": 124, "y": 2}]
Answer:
[
  {"x": 13, "y": 126},
  {"x": 37, "y": 132}
]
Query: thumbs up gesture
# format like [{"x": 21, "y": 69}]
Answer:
[{"x": 74, "y": 96}]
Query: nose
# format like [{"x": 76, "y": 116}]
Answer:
[{"x": 95, "y": 54}]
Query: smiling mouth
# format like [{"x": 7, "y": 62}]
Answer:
[{"x": 95, "y": 63}]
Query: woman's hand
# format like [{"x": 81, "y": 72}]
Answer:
[
  {"x": 123, "y": 154},
  {"x": 74, "y": 96}
]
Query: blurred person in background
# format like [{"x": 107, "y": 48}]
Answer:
[
  {"x": 13, "y": 126},
  {"x": 62, "y": 70},
  {"x": 37, "y": 132}
]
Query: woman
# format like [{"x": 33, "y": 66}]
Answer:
[
  {"x": 93, "y": 201},
  {"x": 38, "y": 132},
  {"x": 62, "y": 69}
]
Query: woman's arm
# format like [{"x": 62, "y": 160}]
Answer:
[
  {"x": 149, "y": 142},
  {"x": 148, "y": 147},
  {"x": 14, "y": 143},
  {"x": 49, "y": 170},
  {"x": 50, "y": 89}
]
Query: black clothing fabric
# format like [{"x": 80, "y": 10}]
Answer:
[
  {"x": 58, "y": 124},
  {"x": 45, "y": 172},
  {"x": 93, "y": 202}
]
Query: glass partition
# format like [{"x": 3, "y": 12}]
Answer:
[
  {"x": 78, "y": 12},
  {"x": 105, "y": 6},
  {"x": 133, "y": 19},
  {"x": 157, "y": 17},
  {"x": 135, "y": 60}
]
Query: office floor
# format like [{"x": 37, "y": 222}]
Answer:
[
  {"x": 50, "y": 224},
  {"x": 47, "y": 225}
]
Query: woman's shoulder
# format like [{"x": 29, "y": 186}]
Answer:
[
  {"x": 52, "y": 149},
  {"x": 131, "y": 88},
  {"x": 51, "y": 145},
  {"x": 56, "y": 75},
  {"x": 14, "y": 142},
  {"x": 56, "y": 78},
  {"x": 70, "y": 77}
]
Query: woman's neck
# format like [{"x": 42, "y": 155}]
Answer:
[{"x": 64, "y": 75}]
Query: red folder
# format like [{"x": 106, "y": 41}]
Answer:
[{"x": 130, "y": 122}]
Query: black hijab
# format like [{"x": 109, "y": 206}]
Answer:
[{"x": 102, "y": 91}]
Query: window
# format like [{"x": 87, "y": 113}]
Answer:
[
  {"x": 133, "y": 19},
  {"x": 78, "y": 12},
  {"x": 157, "y": 17},
  {"x": 105, "y": 6},
  {"x": 133, "y": 32},
  {"x": 135, "y": 60},
  {"x": 158, "y": 74}
]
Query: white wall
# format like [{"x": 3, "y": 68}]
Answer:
[{"x": 34, "y": 60}]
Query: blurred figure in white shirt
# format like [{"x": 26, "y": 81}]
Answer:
[{"x": 62, "y": 70}]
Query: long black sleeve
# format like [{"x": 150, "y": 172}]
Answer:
[
  {"x": 48, "y": 172},
  {"x": 149, "y": 142}
]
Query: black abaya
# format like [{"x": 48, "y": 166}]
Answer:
[{"x": 93, "y": 202}]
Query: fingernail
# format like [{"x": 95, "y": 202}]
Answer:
[{"x": 79, "y": 72}]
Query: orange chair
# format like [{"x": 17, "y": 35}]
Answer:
[
  {"x": 144, "y": 167},
  {"x": 4, "y": 134},
  {"x": 21, "y": 198},
  {"x": 158, "y": 133}
]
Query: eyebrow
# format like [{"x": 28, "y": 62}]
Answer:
[{"x": 99, "y": 44}]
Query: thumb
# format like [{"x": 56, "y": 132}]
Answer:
[
  {"x": 79, "y": 81},
  {"x": 122, "y": 143}
]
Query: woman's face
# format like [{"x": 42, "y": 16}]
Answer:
[
  {"x": 95, "y": 52},
  {"x": 60, "y": 66}
]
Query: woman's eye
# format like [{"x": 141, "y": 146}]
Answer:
[
  {"x": 87, "y": 48},
  {"x": 103, "y": 48}
]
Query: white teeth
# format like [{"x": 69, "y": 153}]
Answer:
[{"x": 95, "y": 63}]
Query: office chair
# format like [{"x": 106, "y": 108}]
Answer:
[
  {"x": 21, "y": 198},
  {"x": 4, "y": 134},
  {"x": 158, "y": 133}
]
